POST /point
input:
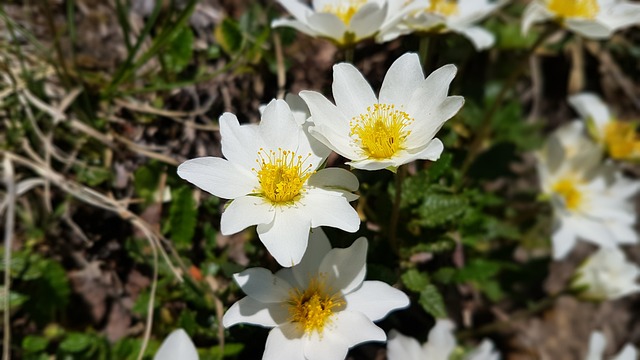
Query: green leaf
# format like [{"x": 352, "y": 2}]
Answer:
[
  {"x": 15, "y": 299},
  {"x": 33, "y": 344},
  {"x": 182, "y": 217},
  {"x": 432, "y": 302},
  {"x": 439, "y": 208},
  {"x": 229, "y": 36},
  {"x": 180, "y": 50},
  {"x": 76, "y": 342},
  {"x": 145, "y": 181},
  {"x": 230, "y": 349},
  {"x": 440, "y": 167},
  {"x": 93, "y": 175},
  {"x": 415, "y": 280}
]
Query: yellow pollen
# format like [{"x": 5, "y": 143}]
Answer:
[
  {"x": 381, "y": 131},
  {"x": 444, "y": 7},
  {"x": 312, "y": 308},
  {"x": 281, "y": 174},
  {"x": 621, "y": 140},
  {"x": 568, "y": 190},
  {"x": 586, "y": 9},
  {"x": 344, "y": 9}
]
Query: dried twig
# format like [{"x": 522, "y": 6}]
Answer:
[{"x": 8, "y": 236}]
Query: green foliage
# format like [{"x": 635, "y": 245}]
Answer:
[
  {"x": 179, "y": 50},
  {"x": 183, "y": 216},
  {"x": 432, "y": 302}
]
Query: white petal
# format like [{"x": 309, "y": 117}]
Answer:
[
  {"x": 534, "y": 13},
  {"x": 480, "y": 37},
  {"x": 590, "y": 106},
  {"x": 371, "y": 164},
  {"x": 335, "y": 178},
  {"x": 318, "y": 247},
  {"x": 431, "y": 152},
  {"x": 345, "y": 268},
  {"x": 485, "y": 351},
  {"x": 401, "y": 347},
  {"x": 330, "y": 208},
  {"x": 327, "y": 25},
  {"x": 368, "y": 19},
  {"x": 325, "y": 347},
  {"x": 563, "y": 240},
  {"x": 627, "y": 353},
  {"x": 376, "y": 299},
  {"x": 296, "y": 8},
  {"x": 441, "y": 341},
  {"x": 589, "y": 28},
  {"x": 597, "y": 344},
  {"x": 240, "y": 143},
  {"x": 218, "y": 177},
  {"x": 177, "y": 345},
  {"x": 287, "y": 236},
  {"x": 262, "y": 285},
  {"x": 402, "y": 79},
  {"x": 621, "y": 15},
  {"x": 294, "y": 24},
  {"x": 279, "y": 128},
  {"x": 251, "y": 311},
  {"x": 243, "y": 212},
  {"x": 284, "y": 342},
  {"x": 351, "y": 91},
  {"x": 428, "y": 123}
]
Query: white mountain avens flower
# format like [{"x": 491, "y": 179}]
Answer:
[
  {"x": 344, "y": 22},
  {"x": 319, "y": 308},
  {"x": 440, "y": 345},
  {"x": 440, "y": 16},
  {"x": 598, "y": 343},
  {"x": 590, "y": 200},
  {"x": 618, "y": 137},
  {"x": 177, "y": 345},
  {"x": 606, "y": 275},
  {"x": 271, "y": 172},
  {"x": 394, "y": 129},
  {"x": 594, "y": 19}
]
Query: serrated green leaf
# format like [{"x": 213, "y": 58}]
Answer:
[
  {"x": 229, "y": 36},
  {"x": 180, "y": 50},
  {"x": 415, "y": 280},
  {"x": 182, "y": 217},
  {"x": 440, "y": 167},
  {"x": 432, "y": 302},
  {"x": 439, "y": 208}
]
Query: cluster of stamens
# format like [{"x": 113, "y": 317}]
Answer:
[
  {"x": 312, "y": 308},
  {"x": 381, "y": 131},
  {"x": 344, "y": 9},
  {"x": 444, "y": 7},
  {"x": 586, "y": 9},
  {"x": 282, "y": 174},
  {"x": 567, "y": 188},
  {"x": 621, "y": 140}
]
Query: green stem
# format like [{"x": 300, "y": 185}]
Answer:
[
  {"x": 423, "y": 50},
  {"x": 484, "y": 130},
  {"x": 395, "y": 211},
  {"x": 348, "y": 54}
]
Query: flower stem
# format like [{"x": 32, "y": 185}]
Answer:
[
  {"x": 423, "y": 50},
  {"x": 348, "y": 54},
  {"x": 484, "y": 130},
  {"x": 395, "y": 211}
]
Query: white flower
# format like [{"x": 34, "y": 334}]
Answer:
[
  {"x": 596, "y": 19},
  {"x": 597, "y": 344},
  {"x": 590, "y": 200},
  {"x": 440, "y": 345},
  {"x": 345, "y": 22},
  {"x": 437, "y": 16},
  {"x": 319, "y": 308},
  {"x": 271, "y": 175},
  {"x": 619, "y": 138},
  {"x": 177, "y": 345},
  {"x": 606, "y": 275},
  {"x": 395, "y": 129}
]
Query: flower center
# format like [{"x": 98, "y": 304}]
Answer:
[
  {"x": 444, "y": 7},
  {"x": 281, "y": 174},
  {"x": 587, "y": 9},
  {"x": 381, "y": 131},
  {"x": 621, "y": 140},
  {"x": 344, "y": 9},
  {"x": 569, "y": 192},
  {"x": 312, "y": 308}
]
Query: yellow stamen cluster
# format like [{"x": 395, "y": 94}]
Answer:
[
  {"x": 621, "y": 140},
  {"x": 444, "y": 7},
  {"x": 381, "y": 131},
  {"x": 586, "y": 9},
  {"x": 312, "y": 308},
  {"x": 344, "y": 9},
  {"x": 568, "y": 190},
  {"x": 281, "y": 174}
]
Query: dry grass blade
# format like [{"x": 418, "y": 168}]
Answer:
[{"x": 8, "y": 236}]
